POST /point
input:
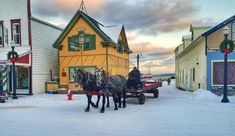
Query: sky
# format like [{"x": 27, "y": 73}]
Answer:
[{"x": 154, "y": 28}]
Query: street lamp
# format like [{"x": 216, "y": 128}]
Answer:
[
  {"x": 226, "y": 51},
  {"x": 81, "y": 40},
  {"x": 13, "y": 56}
]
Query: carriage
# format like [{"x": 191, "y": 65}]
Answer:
[
  {"x": 101, "y": 84},
  {"x": 147, "y": 86}
]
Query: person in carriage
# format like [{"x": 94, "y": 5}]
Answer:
[{"x": 134, "y": 79}]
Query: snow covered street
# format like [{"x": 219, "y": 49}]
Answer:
[{"x": 174, "y": 113}]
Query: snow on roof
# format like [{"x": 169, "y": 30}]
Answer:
[
  {"x": 22, "y": 50},
  {"x": 202, "y": 25},
  {"x": 112, "y": 31}
]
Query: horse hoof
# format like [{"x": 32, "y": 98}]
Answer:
[
  {"x": 115, "y": 108},
  {"x": 119, "y": 106},
  {"x": 101, "y": 111},
  {"x": 124, "y": 105},
  {"x": 87, "y": 110}
]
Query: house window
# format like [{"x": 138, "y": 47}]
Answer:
[
  {"x": 120, "y": 47},
  {"x": 75, "y": 43},
  {"x": 16, "y": 31},
  {"x": 193, "y": 74},
  {"x": 90, "y": 42},
  {"x": 1, "y": 34},
  {"x": 233, "y": 31},
  {"x": 90, "y": 69}
]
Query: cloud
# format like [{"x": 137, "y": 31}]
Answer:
[
  {"x": 150, "y": 49},
  {"x": 64, "y": 9},
  {"x": 154, "y": 57},
  {"x": 148, "y": 17}
]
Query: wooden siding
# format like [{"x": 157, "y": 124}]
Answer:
[
  {"x": 194, "y": 58},
  {"x": 44, "y": 56},
  {"x": 216, "y": 38},
  {"x": 118, "y": 63}
]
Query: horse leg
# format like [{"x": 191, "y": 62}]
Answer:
[
  {"x": 92, "y": 103},
  {"x": 107, "y": 102},
  {"x": 119, "y": 100},
  {"x": 103, "y": 107},
  {"x": 97, "y": 102},
  {"x": 88, "y": 102},
  {"x": 115, "y": 101},
  {"x": 124, "y": 99}
]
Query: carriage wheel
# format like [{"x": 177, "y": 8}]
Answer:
[
  {"x": 141, "y": 98},
  {"x": 155, "y": 93}
]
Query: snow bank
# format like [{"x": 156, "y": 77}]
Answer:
[{"x": 205, "y": 94}]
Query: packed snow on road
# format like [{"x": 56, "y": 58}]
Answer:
[{"x": 174, "y": 113}]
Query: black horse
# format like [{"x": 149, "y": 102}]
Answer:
[
  {"x": 101, "y": 83},
  {"x": 115, "y": 85},
  {"x": 88, "y": 83}
]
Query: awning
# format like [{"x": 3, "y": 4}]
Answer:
[{"x": 21, "y": 50}]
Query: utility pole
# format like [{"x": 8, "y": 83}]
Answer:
[{"x": 138, "y": 60}]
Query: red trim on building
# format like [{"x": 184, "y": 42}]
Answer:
[
  {"x": 30, "y": 44},
  {"x": 1, "y": 23},
  {"x": 15, "y": 21},
  {"x": 24, "y": 59}
]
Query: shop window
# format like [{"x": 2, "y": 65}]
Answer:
[
  {"x": 16, "y": 31},
  {"x": 90, "y": 69}
]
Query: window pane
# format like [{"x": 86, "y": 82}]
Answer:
[
  {"x": 0, "y": 30},
  {"x": 16, "y": 28},
  {"x": 233, "y": 30},
  {"x": 90, "y": 69},
  {"x": 17, "y": 38},
  {"x": 233, "y": 36},
  {"x": 1, "y": 35},
  {"x": 71, "y": 72},
  {"x": 0, "y": 40}
]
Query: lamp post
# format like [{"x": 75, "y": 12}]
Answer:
[
  {"x": 225, "y": 97},
  {"x": 12, "y": 56},
  {"x": 81, "y": 40}
]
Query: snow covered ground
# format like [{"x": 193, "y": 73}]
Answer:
[{"x": 174, "y": 113}]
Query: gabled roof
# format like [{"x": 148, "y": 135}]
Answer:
[
  {"x": 202, "y": 25},
  {"x": 45, "y": 23},
  {"x": 112, "y": 32},
  {"x": 108, "y": 34},
  {"x": 218, "y": 26}
]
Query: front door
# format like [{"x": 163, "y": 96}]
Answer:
[{"x": 22, "y": 77}]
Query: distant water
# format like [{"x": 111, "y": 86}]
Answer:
[{"x": 163, "y": 76}]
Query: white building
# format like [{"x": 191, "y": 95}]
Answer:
[{"x": 33, "y": 39}]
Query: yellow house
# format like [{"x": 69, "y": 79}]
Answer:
[{"x": 88, "y": 44}]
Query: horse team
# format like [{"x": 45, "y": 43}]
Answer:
[{"x": 104, "y": 85}]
